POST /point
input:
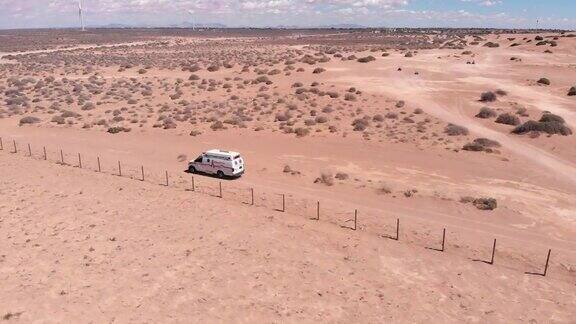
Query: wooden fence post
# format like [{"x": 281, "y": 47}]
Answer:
[
  {"x": 166, "y": 178},
  {"x": 45, "y": 155},
  {"x": 397, "y": 229},
  {"x": 119, "y": 168},
  {"x": 493, "y": 252},
  {"x": 62, "y": 156},
  {"x": 79, "y": 161},
  {"x": 220, "y": 188},
  {"x": 193, "y": 186},
  {"x": 29, "y": 150},
  {"x": 99, "y": 168},
  {"x": 15, "y": 148},
  {"x": 547, "y": 261},
  {"x": 355, "y": 218},
  {"x": 443, "y": 238},
  {"x": 252, "y": 196},
  {"x": 142, "y": 169},
  {"x": 1, "y": 144}
]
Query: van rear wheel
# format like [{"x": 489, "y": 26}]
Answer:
[{"x": 220, "y": 174}]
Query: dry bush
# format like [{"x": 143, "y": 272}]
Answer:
[
  {"x": 117, "y": 129},
  {"x": 551, "y": 127},
  {"x": 341, "y": 176},
  {"x": 350, "y": 97},
  {"x": 481, "y": 145},
  {"x": 488, "y": 96},
  {"x": 288, "y": 169},
  {"x": 217, "y": 125},
  {"x": 572, "y": 91},
  {"x": 301, "y": 131},
  {"x": 318, "y": 70},
  {"x": 360, "y": 124},
  {"x": 485, "y": 203},
  {"x": 486, "y": 112},
  {"x": 508, "y": 119},
  {"x": 544, "y": 81},
  {"x": 491, "y": 44},
  {"x": 325, "y": 179},
  {"x": 366, "y": 59},
  {"x": 29, "y": 120},
  {"x": 384, "y": 189},
  {"x": 455, "y": 130}
]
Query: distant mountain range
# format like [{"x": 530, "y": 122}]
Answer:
[{"x": 218, "y": 25}]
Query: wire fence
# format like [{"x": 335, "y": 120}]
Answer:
[{"x": 497, "y": 250}]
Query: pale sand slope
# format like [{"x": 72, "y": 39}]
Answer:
[{"x": 80, "y": 245}]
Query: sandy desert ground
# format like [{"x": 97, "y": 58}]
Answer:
[{"x": 470, "y": 131}]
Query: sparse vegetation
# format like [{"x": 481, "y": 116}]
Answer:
[{"x": 455, "y": 130}]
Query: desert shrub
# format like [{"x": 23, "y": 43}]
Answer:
[
  {"x": 488, "y": 96},
  {"x": 213, "y": 68},
  {"x": 217, "y": 125},
  {"x": 378, "y": 118},
  {"x": 508, "y": 119},
  {"x": 572, "y": 91},
  {"x": 309, "y": 122},
  {"x": 88, "y": 106},
  {"x": 383, "y": 190},
  {"x": 392, "y": 115},
  {"x": 301, "y": 131},
  {"x": 455, "y": 130},
  {"x": 142, "y": 71},
  {"x": 409, "y": 54},
  {"x": 318, "y": 70},
  {"x": 193, "y": 77},
  {"x": 491, "y": 45},
  {"x": 325, "y": 179},
  {"x": 400, "y": 104},
  {"x": 360, "y": 124},
  {"x": 195, "y": 132},
  {"x": 282, "y": 117},
  {"x": 341, "y": 176},
  {"x": 481, "y": 145},
  {"x": 321, "y": 119},
  {"x": 485, "y": 203},
  {"x": 350, "y": 97},
  {"x": 544, "y": 81},
  {"x": 58, "y": 120},
  {"x": 486, "y": 112},
  {"x": 263, "y": 79},
  {"x": 418, "y": 111},
  {"x": 366, "y": 59},
  {"x": 551, "y": 127},
  {"x": 117, "y": 129},
  {"x": 29, "y": 120},
  {"x": 549, "y": 117}
]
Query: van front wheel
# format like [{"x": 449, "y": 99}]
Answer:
[
  {"x": 191, "y": 169},
  {"x": 220, "y": 174}
]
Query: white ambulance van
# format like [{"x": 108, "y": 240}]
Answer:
[{"x": 218, "y": 162}]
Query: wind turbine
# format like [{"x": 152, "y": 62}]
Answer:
[
  {"x": 81, "y": 14},
  {"x": 191, "y": 12}
]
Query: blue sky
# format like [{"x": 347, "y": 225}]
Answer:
[{"x": 261, "y": 13}]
